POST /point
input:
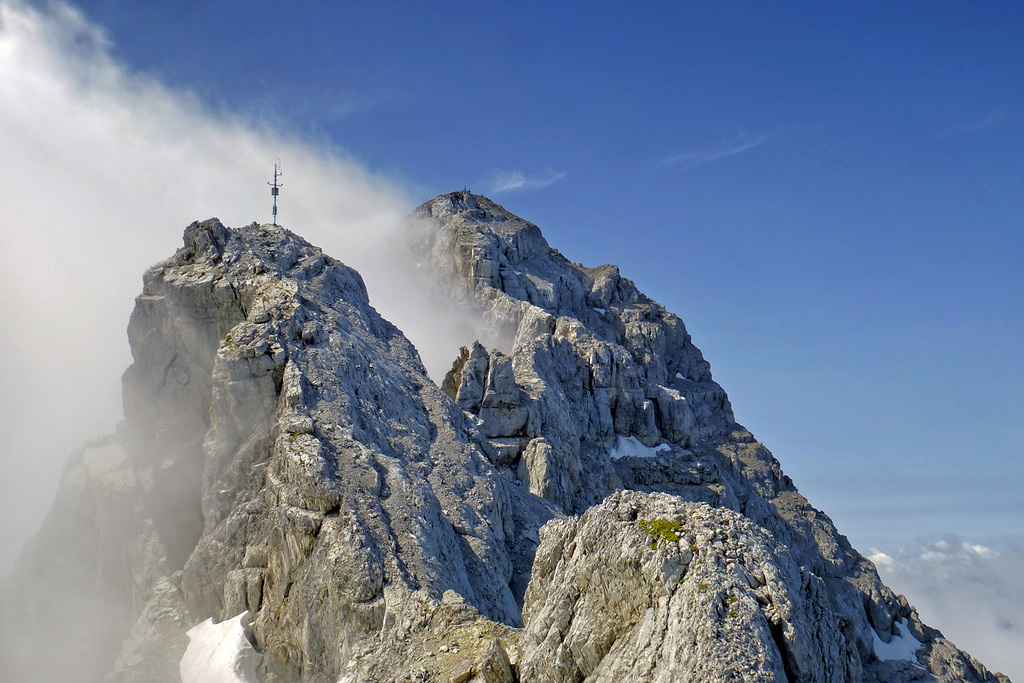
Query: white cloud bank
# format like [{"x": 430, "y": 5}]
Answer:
[
  {"x": 973, "y": 593},
  {"x": 101, "y": 171}
]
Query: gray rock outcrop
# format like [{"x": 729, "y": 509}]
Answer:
[
  {"x": 620, "y": 398},
  {"x": 574, "y": 502},
  {"x": 682, "y": 591},
  {"x": 651, "y": 587},
  {"x": 590, "y": 358}
]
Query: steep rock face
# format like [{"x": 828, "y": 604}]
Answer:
[
  {"x": 334, "y": 479},
  {"x": 284, "y": 454},
  {"x": 287, "y": 455},
  {"x": 592, "y": 358},
  {"x": 619, "y": 397}
]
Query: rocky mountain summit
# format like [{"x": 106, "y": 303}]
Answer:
[{"x": 574, "y": 502}]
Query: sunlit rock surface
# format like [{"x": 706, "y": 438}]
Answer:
[{"x": 285, "y": 455}]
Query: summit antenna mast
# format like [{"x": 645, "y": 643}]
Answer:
[{"x": 275, "y": 187}]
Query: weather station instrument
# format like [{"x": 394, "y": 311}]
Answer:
[{"x": 275, "y": 187}]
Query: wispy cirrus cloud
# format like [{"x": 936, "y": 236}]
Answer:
[
  {"x": 517, "y": 181},
  {"x": 722, "y": 149},
  {"x": 991, "y": 120}
]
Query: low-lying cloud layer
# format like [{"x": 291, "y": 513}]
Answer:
[
  {"x": 102, "y": 170},
  {"x": 974, "y": 594}
]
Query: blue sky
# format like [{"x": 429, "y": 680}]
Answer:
[{"x": 831, "y": 195}]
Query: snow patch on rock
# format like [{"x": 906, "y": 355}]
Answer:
[
  {"x": 899, "y": 646},
  {"x": 219, "y": 653},
  {"x": 631, "y": 448}
]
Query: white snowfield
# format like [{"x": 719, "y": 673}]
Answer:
[
  {"x": 903, "y": 646},
  {"x": 625, "y": 448},
  {"x": 219, "y": 653}
]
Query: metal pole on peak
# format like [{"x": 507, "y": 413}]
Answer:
[{"x": 275, "y": 187}]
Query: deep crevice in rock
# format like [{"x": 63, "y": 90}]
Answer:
[{"x": 784, "y": 653}]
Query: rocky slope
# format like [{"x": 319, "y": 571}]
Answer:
[{"x": 575, "y": 502}]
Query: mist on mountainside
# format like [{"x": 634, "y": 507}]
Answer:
[{"x": 102, "y": 171}]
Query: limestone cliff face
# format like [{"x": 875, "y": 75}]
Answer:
[
  {"x": 285, "y": 454},
  {"x": 591, "y": 359},
  {"x": 332, "y": 478},
  {"x": 695, "y": 593},
  {"x": 601, "y": 389}
]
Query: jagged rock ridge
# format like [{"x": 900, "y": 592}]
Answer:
[
  {"x": 285, "y": 454},
  {"x": 597, "y": 365}
]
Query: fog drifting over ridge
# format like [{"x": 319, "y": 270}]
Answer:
[{"x": 102, "y": 171}]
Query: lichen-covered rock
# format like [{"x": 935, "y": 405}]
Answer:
[{"x": 648, "y": 587}]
